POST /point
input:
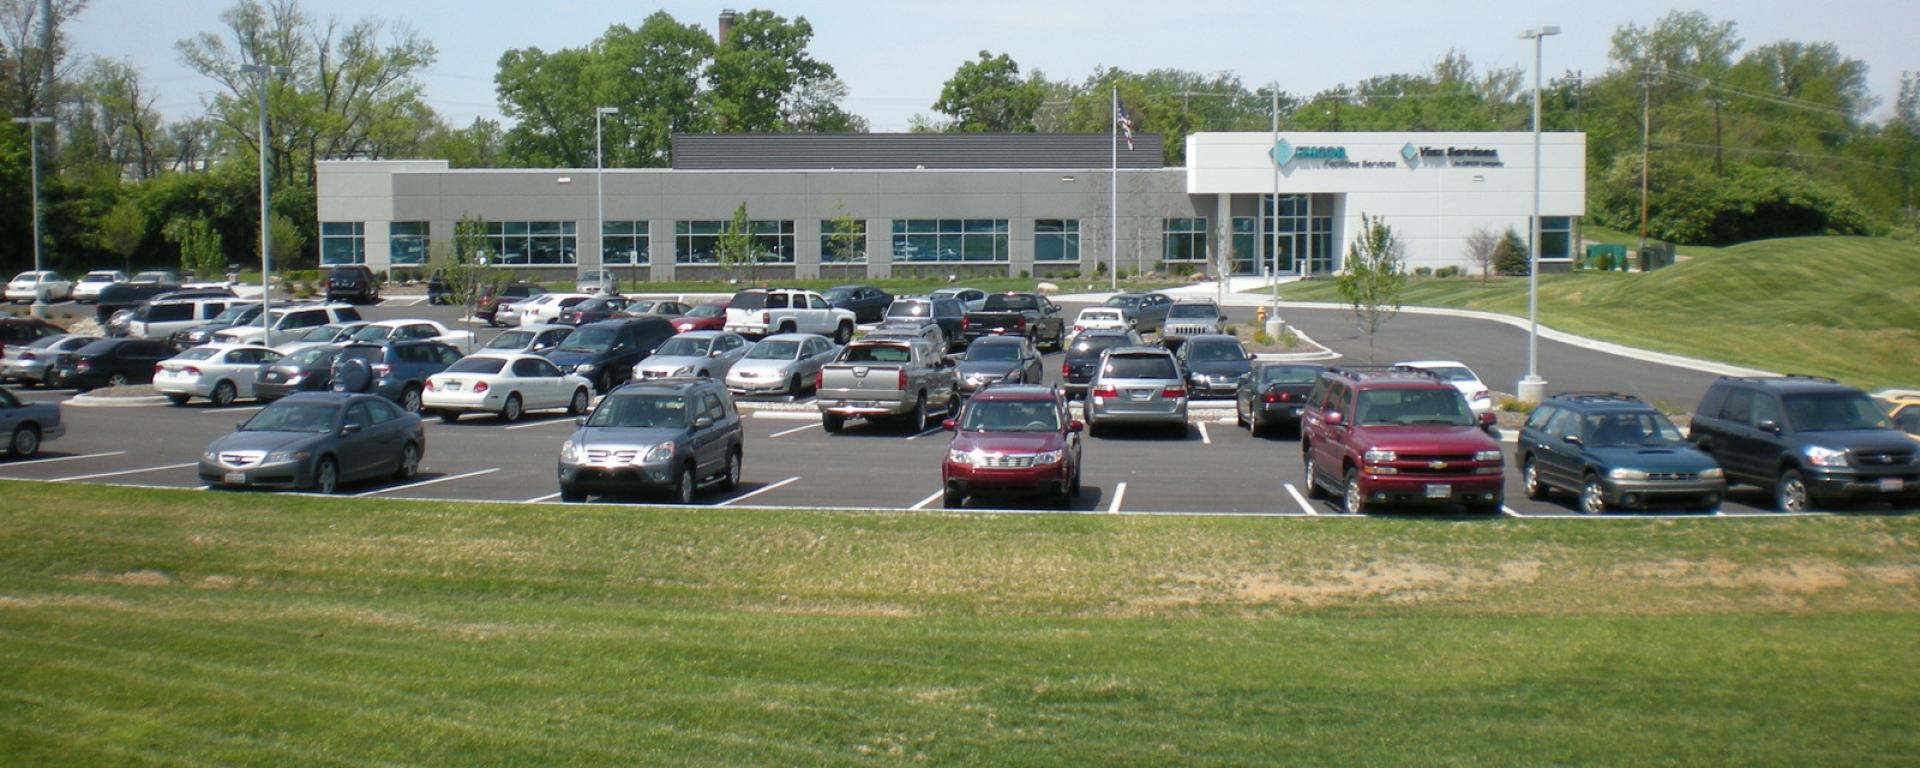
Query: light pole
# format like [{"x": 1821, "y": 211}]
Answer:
[
  {"x": 266, "y": 202},
  {"x": 33, "y": 148},
  {"x": 600, "y": 188},
  {"x": 1533, "y": 388},
  {"x": 1273, "y": 272}
]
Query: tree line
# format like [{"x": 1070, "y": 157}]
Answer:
[{"x": 1743, "y": 141}]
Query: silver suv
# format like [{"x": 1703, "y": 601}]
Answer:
[
  {"x": 1187, "y": 319},
  {"x": 674, "y": 434},
  {"x": 1137, "y": 385}
]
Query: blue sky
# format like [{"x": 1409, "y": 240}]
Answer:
[{"x": 894, "y": 56}]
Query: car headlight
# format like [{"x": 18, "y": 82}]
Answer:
[
  {"x": 569, "y": 452},
  {"x": 1375, "y": 455},
  {"x": 1047, "y": 457},
  {"x": 1824, "y": 457},
  {"x": 210, "y": 455},
  {"x": 1713, "y": 473},
  {"x": 686, "y": 370},
  {"x": 1487, "y": 456},
  {"x": 660, "y": 454},
  {"x": 960, "y": 457},
  {"x": 1627, "y": 474},
  {"x": 286, "y": 457},
  {"x": 584, "y": 368}
]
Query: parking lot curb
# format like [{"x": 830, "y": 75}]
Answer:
[{"x": 90, "y": 401}]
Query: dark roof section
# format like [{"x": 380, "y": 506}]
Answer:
[{"x": 884, "y": 151}]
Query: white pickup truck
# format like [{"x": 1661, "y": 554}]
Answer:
[{"x": 758, "y": 312}]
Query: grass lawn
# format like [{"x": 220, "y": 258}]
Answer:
[
  {"x": 162, "y": 627},
  {"x": 1846, "y": 307}
]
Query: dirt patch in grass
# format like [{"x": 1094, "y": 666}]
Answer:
[{"x": 127, "y": 579}]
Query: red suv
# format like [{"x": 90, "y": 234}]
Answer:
[
  {"x": 1013, "y": 440},
  {"x": 1390, "y": 436}
]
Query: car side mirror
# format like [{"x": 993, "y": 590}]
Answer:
[
  {"x": 1488, "y": 419},
  {"x": 948, "y": 424},
  {"x": 579, "y": 421},
  {"x": 1573, "y": 440},
  {"x": 703, "y": 422},
  {"x": 350, "y": 429},
  {"x": 1076, "y": 426},
  {"x": 1769, "y": 426},
  {"x": 1333, "y": 419}
]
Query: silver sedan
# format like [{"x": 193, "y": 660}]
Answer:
[{"x": 782, "y": 364}]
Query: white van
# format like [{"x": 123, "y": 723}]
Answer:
[{"x": 158, "y": 320}]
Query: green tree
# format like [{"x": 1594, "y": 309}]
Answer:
[
  {"x": 1374, "y": 278},
  {"x": 288, "y": 241},
  {"x": 762, "y": 61},
  {"x": 122, "y": 230},
  {"x": 737, "y": 246},
  {"x": 652, "y": 74},
  {"x": 479, "y": 145},
  {"x": 845, "y": 236},
  {"x": 202, "y": 252},
  {"x": 463, "y": 264},
  {"x": 989, "y": 96},
  {"x": 1510, "y": 255}
]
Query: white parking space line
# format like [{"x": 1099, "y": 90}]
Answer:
[
  {"x": 789, "y": 415},
  {"x": 801, "y": 428},
  {"x": 758, "y": 491},
  {"x": 1301, "y": 500},
  {"x": 11, "y": 464},
  {"x": 448, "y": 478},
  {"x": 413, "y": 302},
  {"x": 922, "y": 504},
  {"x": 242, "y": 409},
  {"x": 538, "y": 499},
  {"x": 540, "y": 423},
  {"x": 1508, "y": 511},
  {"x": 123, "y": 472},
  {"x": 1119, "y": 495},
  {"x": 1205, "y": 439},
  {"x": 928, "y": 432}
]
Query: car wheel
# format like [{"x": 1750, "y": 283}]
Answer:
[
  {"x": 179, "y": 399},
  {"x": 952, "y": 499},
  {"x": 1790, "y": 492},
  {"x": 953, "y": 405},
  {"x": 25, "y": 442},
  {"x": 684, "y": 492},
  {"x": 1073, "y": 491},
  {"x": 410, "y": 400},
  {"x": 409, "y": 463},
  {"x": 326, "y": 476},
  {"x": 513, "y": 410},
  {"x": 733, "y": 469},
  {"x": 1593, "y": 496},
  {"x": 1239, "y": 416},
  {"x": 1312, "y": 484},
  {"x": 449, "y": 417},
  {"x": 224, "y": 394},
  {"x": 919, "y": 417},
  {"x": 118, "y": 380},
  {"x": 843, "y": 334},
  {"x": 1530, "y": 474},
  {"x": 793, "y": 386},
  {"x": 833, "y": 423},
  {"x": 1353, "y": 499},
  {"x": 571, "y": 496},
  {"x": 580, "y": 402},
  {"x": 603, "y": 382}
]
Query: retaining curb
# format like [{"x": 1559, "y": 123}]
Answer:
[{"x": 90, "y": 401}]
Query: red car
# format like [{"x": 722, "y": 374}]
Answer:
[
  {"x": 1392, "y": 435},
  {"x": 711, "y": 316},
  {"x": 1013, "y": 440}
]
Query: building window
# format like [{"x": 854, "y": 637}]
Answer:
[
  {"x": 532, "y": 242},
  {"x": 1556, "y": 237},
  {"x": 1056, "y": 240},
  {"x": 623, "y": 242},
  {"x": 832, "y": 253},
  {"x": 1184, "y": 239},
  {"x": 407, "y": 242},
  {"x": 343, "y": 242},
  {"x": 1246, "y": 246},
  {"x": 950, "y": 240},
  {"x": 698, "y": 242}
]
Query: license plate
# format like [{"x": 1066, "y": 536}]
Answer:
[
  {"x": 1139, "y": 394},
  {"x": 1439, "y": 491},
  {"x": 453, "y": 386},
  {"x": 1294, "y": 410},
  {"x": 1892, "y": 484},
  {"x": 235, "y": 478}
]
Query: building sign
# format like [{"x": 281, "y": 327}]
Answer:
[
  {"x": 1455, "y": 157},
  {"x": 1284, "y": 154}
]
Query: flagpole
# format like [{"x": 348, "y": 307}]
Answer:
[{"x": 1113, "y": 188}]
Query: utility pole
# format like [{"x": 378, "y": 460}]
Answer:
[
  {"x": 1719, "y": 150},
  {"x": 262, "y": 72},
  {"x": 1579, "y": 94},
  {"x": 33, "y": 151},
  {"x": 1646, "y": 151}
]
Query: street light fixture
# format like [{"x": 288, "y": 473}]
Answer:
[
  {"x": 33, "y": 148},
  {"x": 1533, "y": 388},
  {"x": 262, "y": 71},
  {"x": 600, "y": 187}
]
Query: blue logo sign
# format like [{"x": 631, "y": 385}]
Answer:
[
  {"x": 1282, "y": 153},
  {"x": 1409, "y": 152}
]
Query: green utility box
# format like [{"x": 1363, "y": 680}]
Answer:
[
  {"x": 1606, "y": 257},
  {"x": 1655, "y": 256}
]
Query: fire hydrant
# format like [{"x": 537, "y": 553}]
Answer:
[{"x": 1260, "y": 316}]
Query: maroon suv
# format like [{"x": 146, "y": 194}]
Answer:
[
  {"x": 1013, "y": 440},
  {"x": 1396, "y": 436}
]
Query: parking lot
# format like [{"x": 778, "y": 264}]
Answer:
[{"x": 1215, "y": 467}]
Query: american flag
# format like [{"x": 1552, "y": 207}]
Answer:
[{"x": 1126, "y": 124}]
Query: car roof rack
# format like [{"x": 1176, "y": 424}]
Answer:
[
  {"x": 1384, "y": 372},
  {"x": 1596, "y": 396},
  {"x": 1782, "y": 377}
]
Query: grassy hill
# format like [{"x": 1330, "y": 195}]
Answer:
[
  {"x": 1846, "y": 307},
  {"x": 189, "y": 628}
]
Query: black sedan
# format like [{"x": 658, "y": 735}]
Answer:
[
  {"x": 999, "y": 360},
  {"x": 317, "y": 441},
  {"x": 308, "y": 369},
  {"x": 1274, "y": 394},
  {"x": 594, "y": 310},
  {"x": 110, "y": 363},
  {"x": 868, "y": 303}
]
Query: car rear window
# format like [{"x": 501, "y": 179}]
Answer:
[
  {"x": 909, "y": 309},
  {"x": 748, "y": 300},
  {"x": 1143, "y": 366},
  {"x": 878, "y": 353},
  {"x": 1003, "y": 303},
  {"x": 1092, "y": 345},
  {"x": 477, "y": 365}
]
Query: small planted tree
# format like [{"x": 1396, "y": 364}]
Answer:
[
  {"x": 463, "y": 265},
  {"x": 1510, "y": 256},
  {"x": 201, "y": 250},
  {"x": 1374, "y": 278},
  {"x": 737, "y": 246},
  {"x": 1481, "y": 244},
  {"x": 122, "y": 229},
  {"x": 846, "y": 238}
]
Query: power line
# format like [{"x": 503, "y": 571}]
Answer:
[
  {"x": 1789, "y": 153},
  {"x": 1785, "y": 101}
]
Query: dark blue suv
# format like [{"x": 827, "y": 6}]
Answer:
[
  {"x": 396, "y": 370},
  {"x": 1614, "y": 451}
]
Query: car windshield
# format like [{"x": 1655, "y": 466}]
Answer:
[
  {"x": 1289, "y": 374},
  {"x": 639, "y": 307},
  {"x": 1154, "y": 366},
  {"x": 96, "y": 278},
  {"x": 591, "y": 338},
  {"x": 1452, "y": 373},
  {"x": 511, "y": 340},
  {"x": 641, "y": 412},
  {"x": 1635, "y": 428},
  {"x": 1215, "y": 351},
  {"x": 1400, "y": 407},
  {"x": 373, "y": 333},
  {"x": 774, "y": 350},
  {"x": 150, "y": 277},
  {"x": 1124, "y": 302},
  {"x": 993, "y": 352},
  {"x": 910, "y": 309},
  {"x": 26, "y": 277},
  {"x": 46, "y": 341},
  {"x": 1012, "y": 416},
  {"x": 1003, "y": 303},
  {"x": 684, "y": 347},
  {"x": 1193, "y": 310},
  {"x": 310, "y": 356},
  {"x": 477, "y": 365},
  {"x": 234, "y": 314},
  {"x": 293, "y": 417},
  {"x": 1834, "y": 411},
  {"x": 322, "y": 333},
  {"x": 707, "y": 310},
  {"x": 197, "y": 353},
  {"x": 837, "y": 294}
]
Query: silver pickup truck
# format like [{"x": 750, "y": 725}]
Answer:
[{"x": 892, "y": 378}]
